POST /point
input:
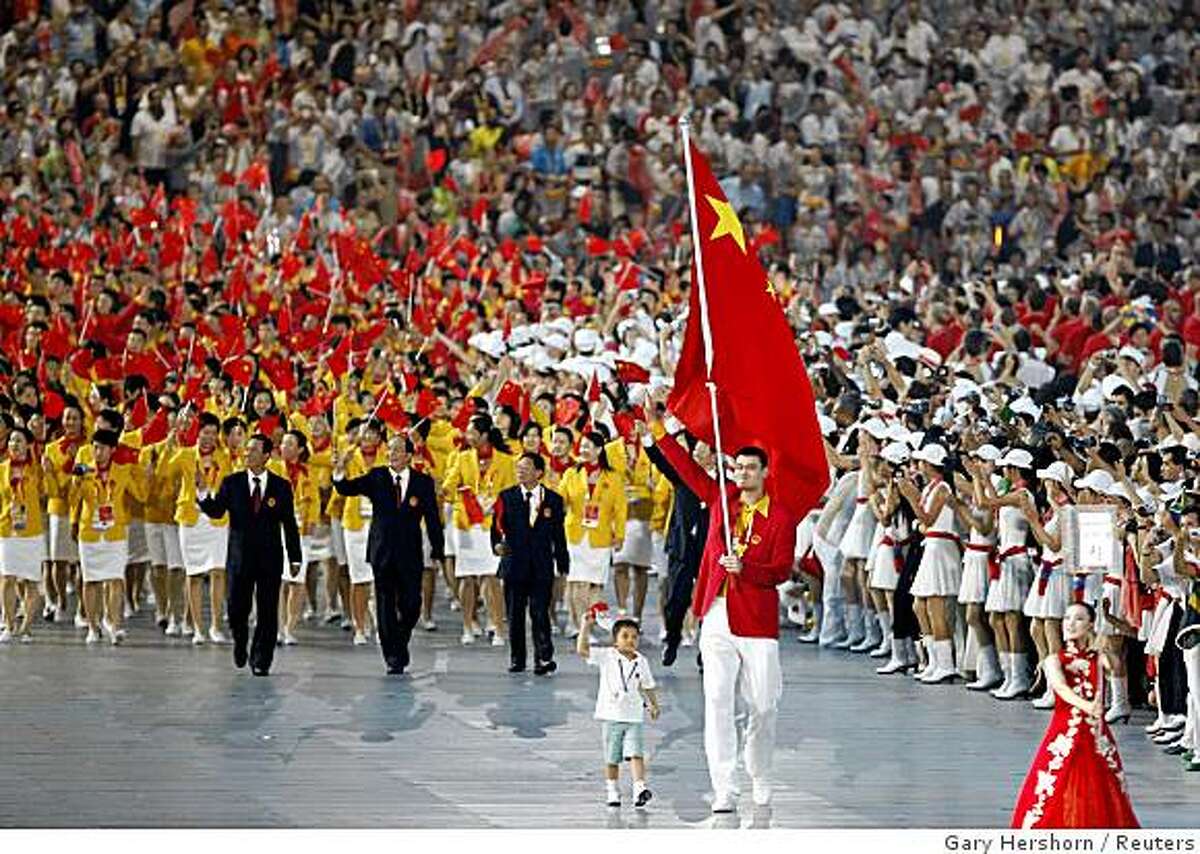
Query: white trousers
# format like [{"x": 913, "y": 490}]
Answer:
[
  {"x": 738, "y": 667},
  {"x": 1191, "y": 661}
]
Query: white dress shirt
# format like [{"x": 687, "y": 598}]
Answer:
[{"x": 533, "y": 497}]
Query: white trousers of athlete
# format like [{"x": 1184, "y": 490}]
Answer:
[
  {"x": 1191, "y": 661},
  {"x": 738, "y": 667}
]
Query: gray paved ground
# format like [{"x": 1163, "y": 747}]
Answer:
[{"x": 157, "y": 733}]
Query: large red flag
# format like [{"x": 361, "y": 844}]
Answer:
[{"x": 763, "y": 394}]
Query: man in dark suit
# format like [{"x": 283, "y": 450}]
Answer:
[
  {"x": 687, "y": 531},
  {"x": 528, "y": 534},
  {"x": 259, "y": 505},
  {"x": 401, "y": 499}
]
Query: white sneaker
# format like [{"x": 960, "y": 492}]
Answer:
[
  {"x": 662, "y": 635},
  {"x": 308, "y": 614},
  {"x": 108, "y": 630},
  {"x": 497, "y": 640},
  {"x": 468, "y": 638},
  {"x": 27, "y": 637},
  {"x": 762, "y": 793},
  {"x": 217, "y": 636},
  {"x": 454, "y": 606},
  {"x": 198, "y": 639},
  {"x": 172, "y": 630},
  {"x": 6, "y": 636},
  {"x": 289, "y": 639},
  {"x": 724, "y": 803},
  {"x": 80, "y": 622},
  {"x": 360, "y": 639},
  {"x": 129, "y": 612},
  {"x": 93, "y": 637},
  {"x": 689, "y": 639},
  {"x": 429, "y": 625},
  {"x": 477, "y": 632},
  {"x": 1046, "y": 701}
]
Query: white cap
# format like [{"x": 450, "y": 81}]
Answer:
[
  {"x": 557, "y": 341},
  {"x": 522, "y": 335},
  {"x": 964, "y": 388},
  {"x": 587, "y": 341},
  {"x": 1133, "y": 353},
  {"x": 1092, "y": 399},
  {"x": 875, "y": 428},
  {"x": 989, "y": 453},
  {"x": 915, "y": 439},
  {"x": 897, "y": 432},
  {"x": 1117, "y": 490},
  {"x": 562, "y": 324},
  {"x": 1018, "y": 457},
  {"x": 1097, "y": 480},
  {"x": 1112, "y": 383},
  {"x": 898, "y": 346},
  {"x": 1057, "y": 471},
  {"x": 491, "y": 343},
  {"x": 828, "y": 309},
  {"x": 896, "y": 453},
  {"x": 1025, "y": 406},
  {"x": 932, "y": 453},
  {"x": 929, "y": 357}
]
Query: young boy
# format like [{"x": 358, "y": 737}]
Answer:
[{"x": 625, "y": 678}]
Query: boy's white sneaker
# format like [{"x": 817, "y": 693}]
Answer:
[
  {"x": 612, "y": 797},
  {"x": 724, "y": 803}
]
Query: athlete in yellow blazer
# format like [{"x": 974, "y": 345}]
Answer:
[
  {"x": 101, "y": 516},
  {"x": 594, "y": 495},
  {"x": 59, "y": 457},
  {"x": 370, "y": 451},
  {"x": 292, "y": 466},
  {"x": 635, "y": 558},
  {"x": 474, "y": 478},
  {"x": 22, "y": 533}
]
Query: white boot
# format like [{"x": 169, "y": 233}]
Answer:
[
  {"x": 899, "y": 660},
  {"x": 873, "y": 635},
  {"x": 885, "y": 640},
  {"x": 1020, "y": 677},
  {"x": 833, "y": 622},
  {"x": 854, "y": 629},
  {"x": 1119, "y": 708},
  {"x": 988, "y": 674},
  {"x": 1007, "y": 670},
  {"x": 943, "y": 663}
]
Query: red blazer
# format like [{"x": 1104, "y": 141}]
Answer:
[{"x": 751, "y": 598}]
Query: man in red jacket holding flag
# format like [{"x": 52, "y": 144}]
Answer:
[{"x": 741, "y": 386}]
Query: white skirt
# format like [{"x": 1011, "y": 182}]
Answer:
[
  {"x": 356, "y": 555},
  {"x": 856, "y": 542},
  {"x": 589, "y": 564},
  {"x": 1009, "y": 591},
  {"x": 658, "y": 554},
  {"x": 474, "y": 557},
  {"x": 940, "y": 570},
  {"x": 883, "y": 567},
  {"x": 62, "y": 546},
  {"x": 139, "y": 549},
  {"x": 22, "y": 557},
  {"x": 103, "y": 560},
  {"x": 449, "y": 530},
  {"x": 637, "y": 550},
  {"x": 337, "y": 541},
  {"x": 204, "y": 546},
  {"x": 1052, "y": 604},
  {"x": 320, "y": 543},
  {"x": 163, "y": 541},
  {"x": 974, "y": 587}
]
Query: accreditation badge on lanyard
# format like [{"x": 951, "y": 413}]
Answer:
[
  {"x": 20, "y": 517},
  {"x": 591, "y": 510},
  {"x": 104, "y": 517}
]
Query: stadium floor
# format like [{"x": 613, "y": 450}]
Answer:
[{"x": 152, "y": 736}]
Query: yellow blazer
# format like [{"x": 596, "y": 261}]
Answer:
[
  {"x": 664, "y": 502},
  {"x": 306, "y": 497},
  {"x": 58, "y": 458},
  {"x": 639, "y": 487},
  {"x": 607, "y": 499},
  {"x": 96, "y": 496},
  {"x": 25, "y": 498},
  {"x": 463, "y": 473},
  {"x": 181, "y": 468},
  {"x": 164, "y": 490},
  {"x": 357, "y": 465},
  {"x": 441, "y": 444}
]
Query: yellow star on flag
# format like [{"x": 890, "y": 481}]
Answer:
[{"x": 727, "y": 222}]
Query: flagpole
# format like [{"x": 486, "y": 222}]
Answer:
[{"x": 705, "y": 329}]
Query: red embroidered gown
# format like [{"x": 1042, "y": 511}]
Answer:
[{"x": 1076, "y": 779}]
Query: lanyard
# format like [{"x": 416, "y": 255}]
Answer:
[
  {"x": 621, "y": 670},
  {"x": 102, "y": 477}
]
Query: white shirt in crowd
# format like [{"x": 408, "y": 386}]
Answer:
[
  {"x": 619, "y": 697},
  {"x": 151, "y": 138}
]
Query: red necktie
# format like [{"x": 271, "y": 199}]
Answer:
[{"x": 256, "y": 496}]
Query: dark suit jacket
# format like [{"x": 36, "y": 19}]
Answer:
[
  {"x": 687, "y": 528},
  {"x": 533, "y": 553},
  {"x": 395, "y": 535},
  {"x": 254, "y": 542}
]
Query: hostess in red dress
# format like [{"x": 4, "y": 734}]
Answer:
[{"x": 1076, "y": 779}]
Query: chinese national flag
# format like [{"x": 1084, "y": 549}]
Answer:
[{"x": 763, "y": 394}]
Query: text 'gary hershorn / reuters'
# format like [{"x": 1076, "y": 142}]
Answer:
[{"x": 1001, "y": 842}]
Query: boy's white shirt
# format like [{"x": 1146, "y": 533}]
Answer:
[{"x": 619, "y": 697}]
